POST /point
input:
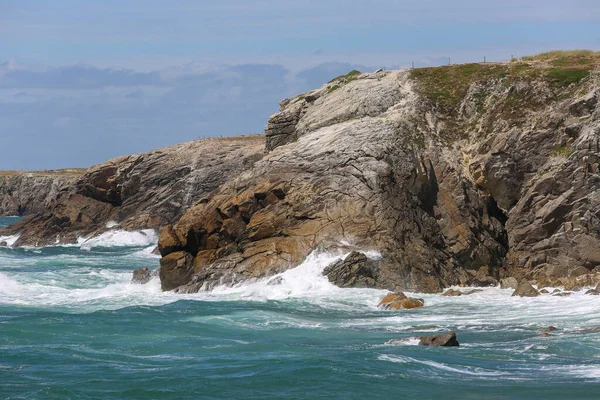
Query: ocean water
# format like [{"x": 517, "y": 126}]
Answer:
[{"x": 72, "y": 326}]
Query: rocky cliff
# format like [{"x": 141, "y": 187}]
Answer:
[
  {"x": 25, "y": 193},
  {"x": 455, "y": 175},
  {"x": 141, "y": 191}
]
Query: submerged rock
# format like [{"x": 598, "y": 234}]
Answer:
[
  {"x": 411, "y": 302},
  {"x": 392, "y": 301},
  {"x": 446, "y": 339},
  {"x": 141, "y": 275},
  {"x": 3, "y": 244},
  {"x": 549, "y": 329},
  {"x": 452, "y": 292},
  {"x": 525, "y": 290},
  {"x": 356, "y": 270}
]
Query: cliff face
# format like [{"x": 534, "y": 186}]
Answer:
[
  {"x": 26, "y": 193},
  {"x": 456, "y": 175},
  {"x": 140, "y": 191}
]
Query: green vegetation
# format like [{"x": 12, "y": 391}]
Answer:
[
  {"x": 562, "y": 151},
  {"x": 448, "y": 85},
  {"x": 349, "y": 77},
  {"x": 566, "y": 76},
  {"x": 332, "y": 88},
  {"x": 563, "y": 54}
]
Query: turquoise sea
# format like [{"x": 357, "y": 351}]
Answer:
[{"x": 72, "y": 326}]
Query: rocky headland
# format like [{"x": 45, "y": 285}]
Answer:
[
  {"x": 31, "y": 192},
  {"x": 456, "y": 175},
  {"x": 148, "y": 190}
]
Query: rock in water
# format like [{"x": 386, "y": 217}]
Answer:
[
  {"x": 356, "y": 271},
  {"x": 509, "y": 283},
  {"x": 3, "y": 244},
  {"x": 411, "y": 302},
  {"x": 392, "y": 301},
  {"x": 141, "y": 275},
  {"x": 176, "y": 269},
  {"x": 525, "y": 290},
  {"x": 452, "y": 292},
  {"x": 446, "y": 339}
]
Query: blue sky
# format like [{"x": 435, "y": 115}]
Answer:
[{"x": 83, "y": 81}]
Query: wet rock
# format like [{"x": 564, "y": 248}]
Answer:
[
  {"x": 455, "y": 292},
  {"x": 446, "y": 339},
  {"x": 556, "y": 291},
  {"x": 3, "y": 244},
  {"x": 141, "y": 275},
  {"x": 275, "y": 281},
  {"x": 176, "y": 269},
  {"x": 545, "y": 334},
  {"x": 356, "y": 271},
  {"x": 593, "y": 292},
  {"x": 398, "y": 341},
  {"x": 392, "y": 301},
  {"x": 549, "y": 329},
  {"x": 452, "y": 292},
  {"x": 525, "y": 290},
  {"x": 411, "y": 302},
  {"x": 563, "y": 294},
  {"x": 509, "y": 283},
  {"x": 544, "y": 291}
]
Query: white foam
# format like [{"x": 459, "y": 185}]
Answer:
[
  {"x": 304, "y": 281},
  {"x": 10, "y": 240},
  {"x": 111, "y": 224},
  {"x": 120, "y": 238}
]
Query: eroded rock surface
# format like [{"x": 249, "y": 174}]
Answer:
[
  {"x": 31, "y": 192},
  {"x": 141, "y": 191},
  {"x": 356, "y": 270},
  {"x": 503, "y": 184}
]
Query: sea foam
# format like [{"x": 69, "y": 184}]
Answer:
[{"x": 120, "y": 238}]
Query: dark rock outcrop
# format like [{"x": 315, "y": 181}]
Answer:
[
  {"x": 446, "y": 339},
  {"x": 356, "y": 270},
  {"x": 141, "y": 191}
]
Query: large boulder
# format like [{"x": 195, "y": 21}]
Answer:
[
  {"x": 445, "y": 339},
  {"x": 356, "y": 270},
  {"x": 176, "y": 269},
  {"x": 525, "y": 290},
  {"x": 392, "y": 301}
]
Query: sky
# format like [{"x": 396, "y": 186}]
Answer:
[{"x": 83, "y": 81}]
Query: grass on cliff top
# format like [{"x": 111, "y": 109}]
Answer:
[
  {"x": 448, "y": 85},
  {"x": 350, "y": 76}
]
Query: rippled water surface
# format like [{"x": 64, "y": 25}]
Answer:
[{"x": 73, "y": 326}]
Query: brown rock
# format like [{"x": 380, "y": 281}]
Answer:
[
  {"x": 452, "y": 292},
  {"x": 544, "y": 291},
  {"x": 549, "y": 329},
  {"x": 509, "y": 283},
  {"x": 176, "y": 269},
  {"x": 525, "y": 290},
  {"x": 411, "y": 302},
  {"x": 356, "y": 270},
  {"x": 392, "y": 301},
  {"x": 3, "y": 244},
  {"x": 446, "y": 339},
  {"x": 141, "y": 275},
  {"x": 545, "y": 334},
  {"x": 593, "y": 292}
]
